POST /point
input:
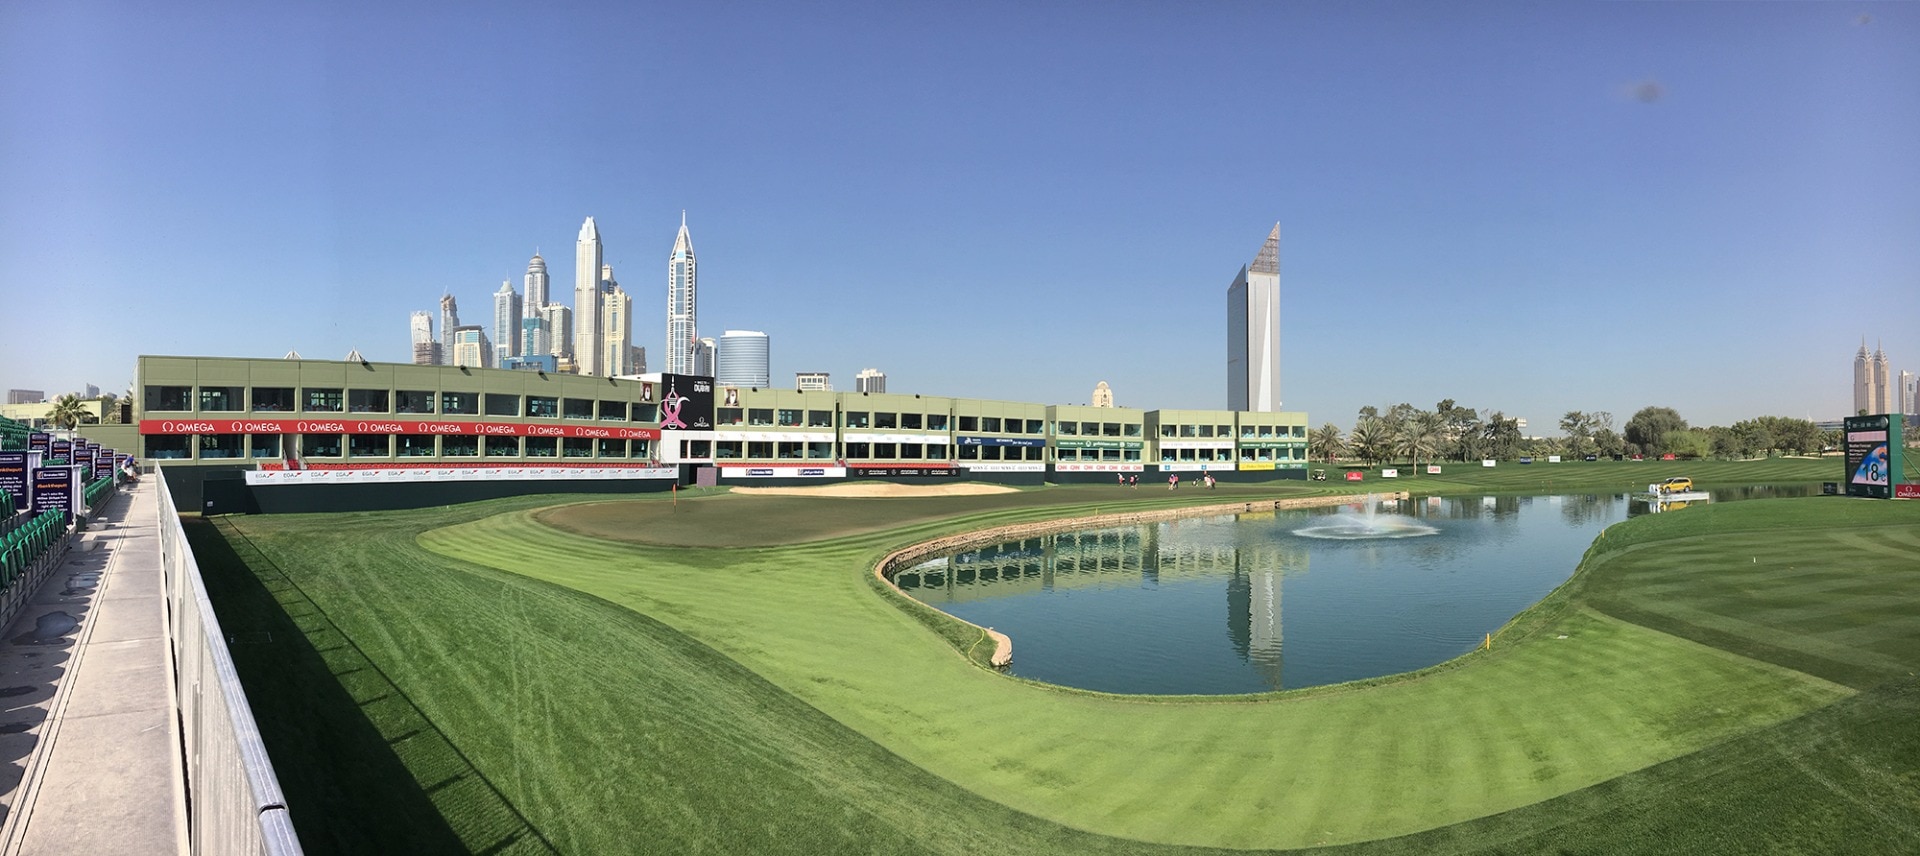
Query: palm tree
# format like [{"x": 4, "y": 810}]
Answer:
[
  {"x": 68, "y": 412},
  {"x": 1370, "y": 440},
  {"x": 1326, "y": 442},
  {"x": 1421, "y": 436}
]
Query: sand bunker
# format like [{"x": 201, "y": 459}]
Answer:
[{"x": 883, "y": 490}]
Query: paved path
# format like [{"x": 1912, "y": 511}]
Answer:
[{"x": 89, "y": 743}]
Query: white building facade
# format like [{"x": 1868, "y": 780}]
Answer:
[
  {"x": 683, "y": 296},
  {"x": 1253, "y": 332}
]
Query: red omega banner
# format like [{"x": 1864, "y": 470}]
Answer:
[{"x": 388, "y": 426}]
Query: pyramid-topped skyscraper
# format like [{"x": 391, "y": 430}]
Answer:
[{"x": 1253, "y": 332}]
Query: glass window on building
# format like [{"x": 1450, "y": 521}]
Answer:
[
  {"x": 820, "y": 451},
  {"x": 1109, "y": 429},
  {"x": 694, "y": 449},
  {"x": 1110, "y": 454},
  {"x": 577, "y": 447},
  {"x": 1068, "y": 429},
  {"x": 168, "y": 446},
  {"x": 367, "y": 400},
  {"x": 728, "y": 450},
  {"x": 170, "y": 399},
  {"x": 936, "y": 451},
  {"x": 264, "y": 445},
  {"x": 760, "y": 416},
  {"x": 990, "y": 424},
  {"x": 415, "y": 445},
  {"x": 413, "y": 401},
  {"x": 859, "y": 451},
  {"x": 787, "y": 417},
  {"x": 1169, "y": 430},
  {"x": 460, "y": 446},
  {"x": 320, "y": 445},
  {"x": 886, "y": 420},
  {"x": 1036, "y": 426},
  {"x": 1066, "y": 455},
  {"x": 612, "y": 448},
  {"x": 1189, "y": 431},
  {"x": 1036, "y": 453},
  {"x": 990, "y": 453},
  {"x": 640, "y": 449},
  {"x": 219, "y": 399},
  {"x": 760, "y": 450},
  {"x": 221, "y": 445},
  {"x": 613, "y": 411},
  {"x": 1206, "y": 431},
  {"x": 729, "y": 416},
  {"x": 1130, "y": 429},
  {"x": 273, "y": 399},
  {"x": 936, "y": 422},
  {"x": 576, "y": 408},
  {"x": 461, "y": 403},
  {"x": 912, "y": 421},
  {"x": 819, "y": 419},
  {"x": 886, "y": 451},
  {"x": 502, "y": 404},
  {"x": 543, "y": 406},
  {"x": 913, "y": 451},
  {"x": 857, "y": 419},
  {"x": 646, "y": 413},
  {"x": 1131, "y": 455},
  {"x": 969, "y": 453},
  {"x": 322, "y": 399},
  {"x": 369, "y": 445},
  {"x": 543, "y": 447},
  {"x": 789, "y": 450},
  {"x": 503, "y": 447}
]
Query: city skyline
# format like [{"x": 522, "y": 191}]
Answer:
[{"x": 1536, "y": 209}]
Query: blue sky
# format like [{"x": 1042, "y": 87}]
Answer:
[{"x": 1527, "y": 207}]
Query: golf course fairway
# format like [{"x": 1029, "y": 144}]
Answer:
[{"x": 613, "y": 697}]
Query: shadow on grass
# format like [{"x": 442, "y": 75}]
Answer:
[{"x": 319, "y": 699}]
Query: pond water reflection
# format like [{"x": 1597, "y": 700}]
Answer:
[{"x": 1255, "y": 602}]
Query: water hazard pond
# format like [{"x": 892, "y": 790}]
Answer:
[{"x": 1272, "y": 600}]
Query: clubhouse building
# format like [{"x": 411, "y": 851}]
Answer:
[{"x": 310, "y": 435}]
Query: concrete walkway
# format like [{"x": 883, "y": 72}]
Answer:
[{"x": 89, "y": 742}]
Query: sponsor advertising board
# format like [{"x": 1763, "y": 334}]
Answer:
[
  {"x": 1873, "y": 448},
  {"x": 783, "y": 472},
  {"x": 389, "y": 426},
  {"x": 686, "y": 402},
  {"x": 1390, "y": 474},
  {"x": 1906, "y": 491},
  {"x": 990, "y": 467},
  {"x": 396, "y": 475},
  {"x": 61, "y": 451},
  {"x": 1115, "y": 467},
  {"x": 1433, "y": 469},
  {"x": 903, "y": 472},
  {"x": 40, "y": 441},
  {"x": 1355, "y": 476},
  {"x": 1002, "y": 441}
]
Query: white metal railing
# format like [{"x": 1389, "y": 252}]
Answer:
[{"x": 234, "y": 800}]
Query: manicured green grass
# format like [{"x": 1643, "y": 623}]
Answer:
[{"x": 765, "y": 700}]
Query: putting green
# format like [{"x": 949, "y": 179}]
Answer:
[{"x": 1491, "y": 733}]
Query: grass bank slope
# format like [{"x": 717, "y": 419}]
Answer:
[{"x": 1520, "y": 726}]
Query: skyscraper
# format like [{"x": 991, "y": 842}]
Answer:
[
  {"x": 818, "y": 381},
  {"x": 1905, "y": 389},
  {"x": 1870, "y": 393},
  {"x": 586, "y": 299},
  {"x": 682, "y": 303},
  {"x": 870, "y": 380},
  {"x": 557, "y": 318},
  {"x": 534, "y": 334},
  {"x": 703, "y": 357},
  {"x": 616, "y": 326},
  {"x": 449, "y": 319},
  {"x": 468, "y": 346},
  {"x": 742, "y": 359},
  {"x": 1253, "y": 332},
  {"x": 426, "y": 352},
  {"x": 506, "y": 322}
]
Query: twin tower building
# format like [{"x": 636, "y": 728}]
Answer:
[{"x": 595, "y": 335}]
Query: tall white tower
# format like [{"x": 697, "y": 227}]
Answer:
[
  {"x": 426, "y": 352},
  {"x": 586, "y": 299},
  {"x": 1253, "y": 332},
  {"x": 506, "y": 323},
  {"x": 682, "y": 303},
  {"x": 449, "y": 319},
  {"x": 533, "y": 330},
  {"x": 616, "y": 326}
]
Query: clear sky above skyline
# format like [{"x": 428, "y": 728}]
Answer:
[{"x": 1531, "y": 207}]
